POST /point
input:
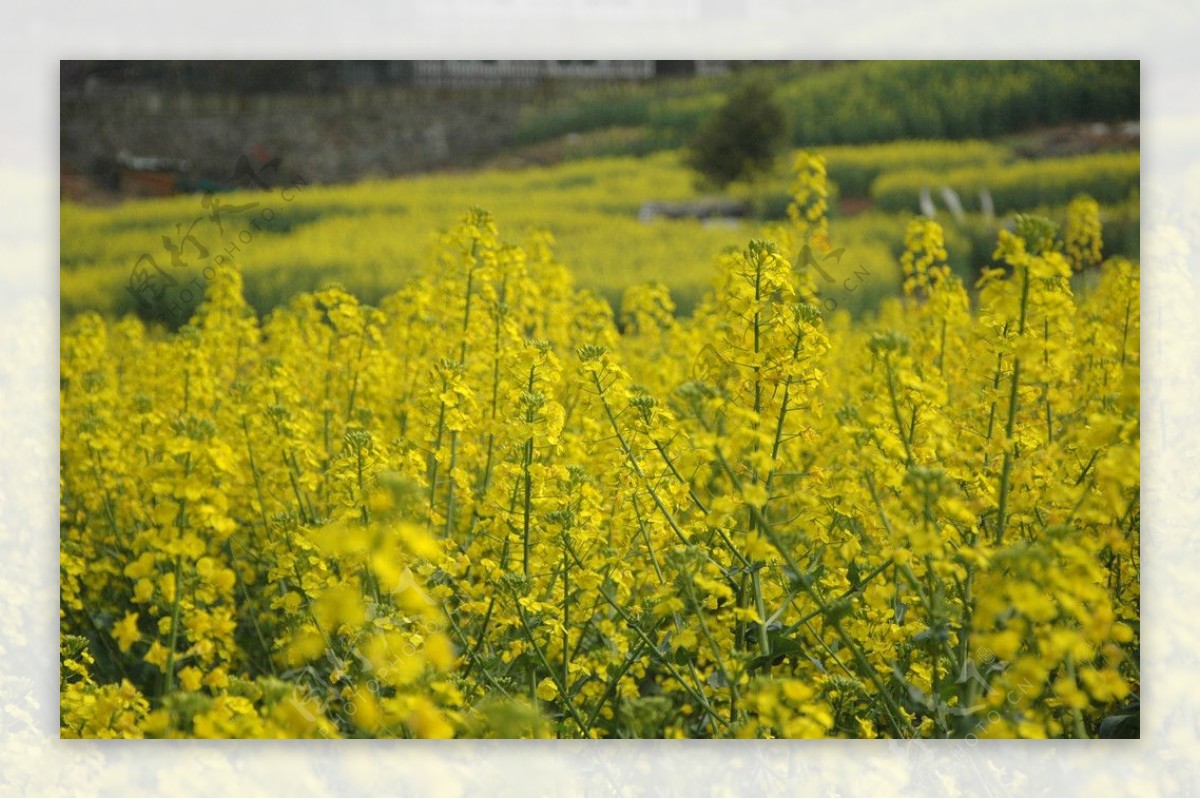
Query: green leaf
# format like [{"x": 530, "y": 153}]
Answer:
[
  {"x": 838, "y": 610},
  {"x": 1127, "y": 723}
]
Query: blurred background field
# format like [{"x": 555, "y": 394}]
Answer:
[
  {"x": 600, "y": 164},
  {"x": 856, "y": 103}
]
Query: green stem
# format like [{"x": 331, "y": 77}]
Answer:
[
  {"x": 526, "y": 463},
  {"x": 695, "y": 694},
  {"x": 1009, "y": 444},
  {"x": 563, "y": 688},
  {"x": 172, "y": 640},
  {"x": 810, "y": 589}
]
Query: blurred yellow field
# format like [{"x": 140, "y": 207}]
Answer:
[{"x": 371, "y": 238}]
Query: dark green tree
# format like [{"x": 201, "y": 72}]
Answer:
[{"x": 741, "y": 140}]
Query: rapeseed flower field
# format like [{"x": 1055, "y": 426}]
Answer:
[{"x": 490, "y": 505}]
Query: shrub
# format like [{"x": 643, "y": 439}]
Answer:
[{"x": 740, "y": 141}]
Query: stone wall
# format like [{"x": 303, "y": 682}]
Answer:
[{"x": 328, "y": 137}]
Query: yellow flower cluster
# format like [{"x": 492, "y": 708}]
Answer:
[
  {"x": 1084, "y": 241},
  {"x": 809, "y": 207},
  {"x": 493, "y": 507},
  {"x": 924, "y": 258}
]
